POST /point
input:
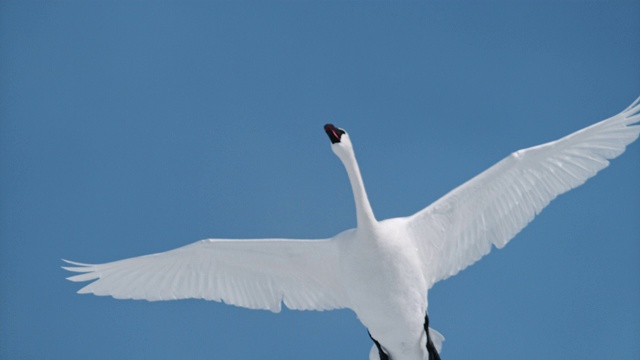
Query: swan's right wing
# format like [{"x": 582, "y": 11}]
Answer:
[
  {"x": 257, "y": 274},
  {"x": 490, "y": 209}
]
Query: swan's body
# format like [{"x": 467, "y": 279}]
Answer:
[{"x": 382, "y": 270}]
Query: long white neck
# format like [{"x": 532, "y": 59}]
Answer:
[{"x": 364, "y": 212}]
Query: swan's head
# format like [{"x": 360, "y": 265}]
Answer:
[{"x": 340, "y": 142}]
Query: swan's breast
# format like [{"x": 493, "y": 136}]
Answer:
[{"x": 384, "y": 280}]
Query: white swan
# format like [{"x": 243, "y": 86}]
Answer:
[{"x": 382, "y": 270}]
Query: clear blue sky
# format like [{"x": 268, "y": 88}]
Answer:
[{"x": 128, "y": 128}]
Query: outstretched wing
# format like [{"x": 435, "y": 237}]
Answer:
[
  {"x": 459, "y": 229},
  {"x": 257, "y": 274}
]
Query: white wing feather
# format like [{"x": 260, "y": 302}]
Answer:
[
  {"x": 459, "y": 228},
  {"x": 257, "y": 274}
]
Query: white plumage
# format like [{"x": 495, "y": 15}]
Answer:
[{"x": 381, "y": 270}]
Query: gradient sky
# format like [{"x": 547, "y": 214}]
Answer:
[{"x": 128, "y": 128}]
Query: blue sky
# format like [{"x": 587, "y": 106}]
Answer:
[{"x": 129, "y": 128}]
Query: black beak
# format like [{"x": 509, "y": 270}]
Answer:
[{"x": 334, "y": 133}]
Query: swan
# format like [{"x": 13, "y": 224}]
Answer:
[{"x": 382, "y": 270}]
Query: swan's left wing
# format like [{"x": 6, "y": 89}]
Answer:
[
  {"x": 490, "y": 209},
  {"x": 257, "y": 274}
]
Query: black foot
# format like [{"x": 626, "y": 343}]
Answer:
[
  {"x": 383, "y": 355},
  {"x": 431, "y": 349}
]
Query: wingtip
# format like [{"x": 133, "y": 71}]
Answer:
[
  {"x": 633, "y": 108},
  {"x": 78, "y": 268},
  {"x": 75, "y": 263}
]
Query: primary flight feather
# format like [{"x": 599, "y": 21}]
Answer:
[{"x": 382, "y": 270}]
